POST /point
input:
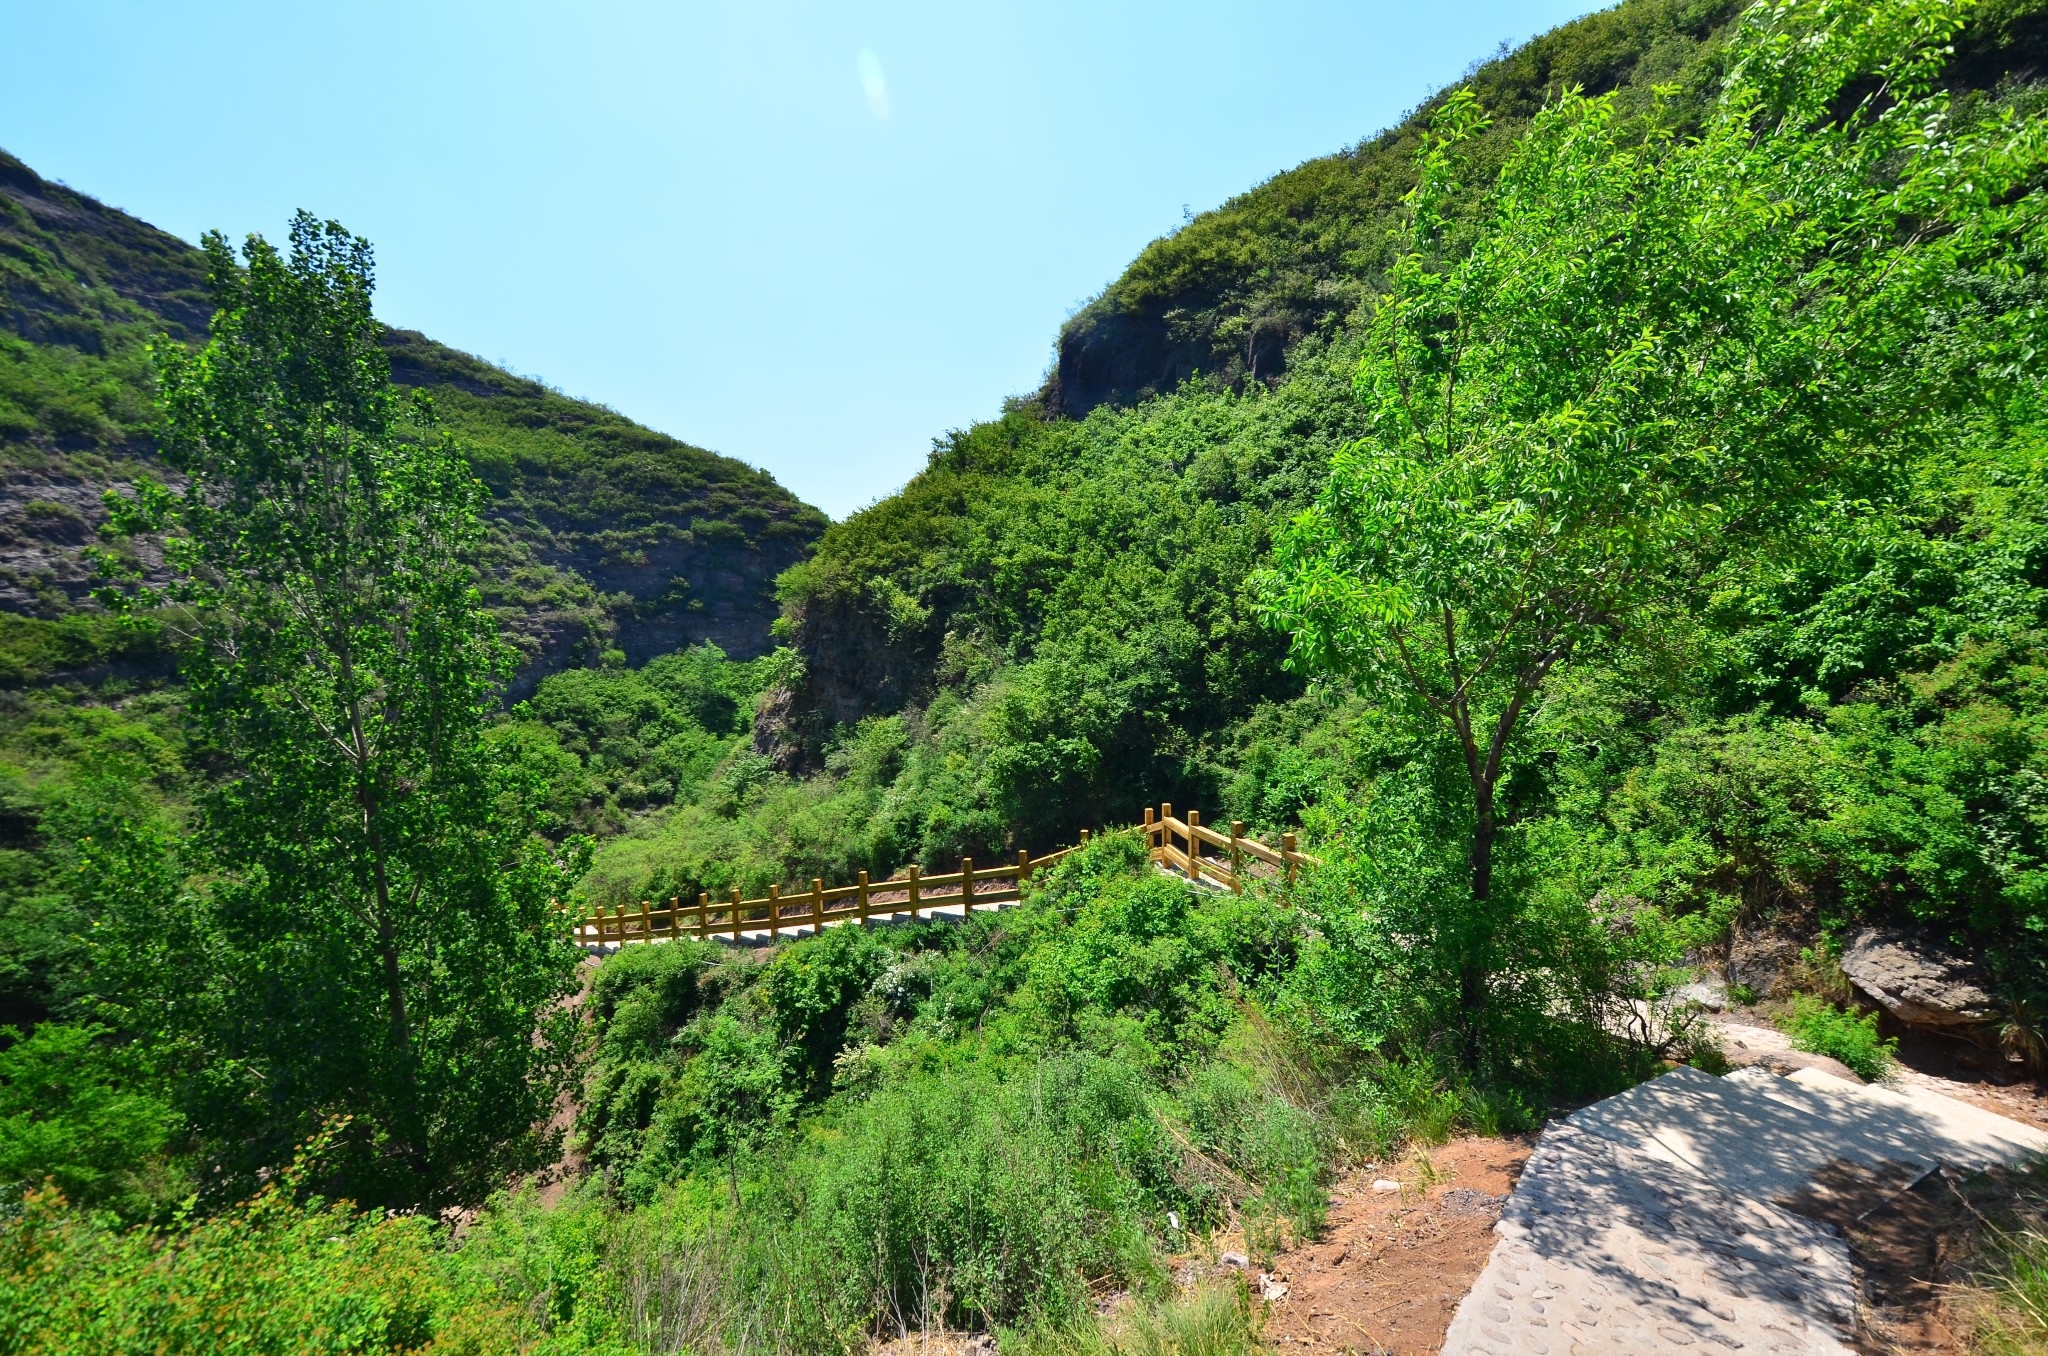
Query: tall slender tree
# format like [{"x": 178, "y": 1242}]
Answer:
[{"x": 385, "y": 942}]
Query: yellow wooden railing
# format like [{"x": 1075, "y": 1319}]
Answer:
[
  {"x": 1240, "y": 855},
  {"x": 967, "y": 889}
]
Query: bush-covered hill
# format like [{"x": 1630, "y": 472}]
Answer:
[
  {"x": 1055, "y": 622},
  {"x": 1230, "y": 295},
  {"x": 606, "y": 535},
  {"x": 1703, "y": 434}
]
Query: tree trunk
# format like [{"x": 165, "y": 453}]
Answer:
[
  {"x": 394, "y": 998},
  {"x": 1472, "y": 972}
]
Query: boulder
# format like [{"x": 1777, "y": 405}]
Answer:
[
  {"x": 1921, "y": 982},
  {"x": 1710, "y": 994}
]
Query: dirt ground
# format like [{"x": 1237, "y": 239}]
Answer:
[
  {"x": 1913, "y": 1249},
  {"x": 1390, "y": 1268}
]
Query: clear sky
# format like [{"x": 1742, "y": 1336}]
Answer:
[{"x": 811, "y": 236}]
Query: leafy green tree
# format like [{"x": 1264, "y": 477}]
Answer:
[
  {"x": 1658, "y": 351},
  {"x": 384, "y": 940}
]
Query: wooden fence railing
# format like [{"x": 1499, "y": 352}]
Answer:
[
  {"x": 1240, "y": 854},
  {"x": 969, "y": 888}
]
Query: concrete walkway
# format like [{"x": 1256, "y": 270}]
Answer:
[{"x": 1650, "y": 1222}]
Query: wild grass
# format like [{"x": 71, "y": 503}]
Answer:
[{"x": 1821, "y": 1028}]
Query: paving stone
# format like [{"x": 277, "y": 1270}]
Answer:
[
  {"x": 1734, "y": 1133},
  {"x": 1604, "y": 1250},
  {"x": 1646, "y": 1223},
  {"x": 1952, "y": 1132}
]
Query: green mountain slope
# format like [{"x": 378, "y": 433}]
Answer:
[
  {"x": 1230, "y": 295},
  {"x": 1055, "y": 622},
  {"x": 606, "y": 534}
]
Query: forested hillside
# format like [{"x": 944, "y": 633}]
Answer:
[
  {"x": 1606, "y": 516},
  {"x": 1056, "y": 621},
  {"x": 606, "y": 535},
  {"x": 1230, "y": 295}
]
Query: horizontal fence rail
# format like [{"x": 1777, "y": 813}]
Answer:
[
  {"x": 807, "y": 912},
  {"x": 1175, "y": 844},
  {"x": 1240, "y": 857}
]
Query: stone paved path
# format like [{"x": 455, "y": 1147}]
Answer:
[{"x": 1648, "y": 1223}]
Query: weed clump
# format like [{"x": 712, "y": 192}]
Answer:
[{"x": 1821, "y": 1028}]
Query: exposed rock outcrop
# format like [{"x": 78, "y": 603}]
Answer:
[
  {"x": 1919, "y": 981},
  {"x": 856, "y": 664}
]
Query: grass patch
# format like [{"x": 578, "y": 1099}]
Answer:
[{"x": 1821, "y": 1028}]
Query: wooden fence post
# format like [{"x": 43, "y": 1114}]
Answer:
[
  {"x": 1287, "y": 853},
  {"x": 863, "y": 896},
  {"x": 774, "y": 912},
  {"x": 1194, "y": 846},
  {"x": 1151, "y": 846},
  {"x": 817, "y": 907},
  {"x": 675, "y": 916},
  {"x": 646, "y": 924},
  {"x": 735, "y": 915},
  {"x": 703, "y": 913},
  {"x": 1084, "y": 838},
  {"x": 1023, "y": 869},
  {"x": 1236, "y": 856},
  {"x": 913, "y": 892},
  {"x": 966, "y": 887}
]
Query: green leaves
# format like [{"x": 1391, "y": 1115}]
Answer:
[
  {"x": 386, "y": 937},
  {"x": 1659, "y": 351},
  {"x": 1662, "y": 355}
]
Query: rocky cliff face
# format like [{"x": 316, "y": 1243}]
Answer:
[
  {"x": 855, "y": 665},
  {"x": 605, "y": 534}
]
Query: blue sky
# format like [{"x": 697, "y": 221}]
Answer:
[{"x": 811, "y": 236}]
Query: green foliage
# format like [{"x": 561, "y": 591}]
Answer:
[
  {"x": 809, "y": 993},
  {"x": 81, "y": 1115},
  {"x": 640, "y": 737},
  {"x": 63, "y": 752},
  {"x": 1565, "y": 429},
  {"x": 977, "y": 1122},
  {"x": 1824, "y": 1029},
  {"x": 1238, "y": 292},
  {"x": 381, "y": 932},
  {"x": 1398, "y": 933},
  {"x": 32, "y": 649},
  {"x": 266, "y": 1277},
  {"x": 1686, "y": 328}
]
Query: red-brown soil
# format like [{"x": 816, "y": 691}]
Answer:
[{"x": 1390, "y": 1268}]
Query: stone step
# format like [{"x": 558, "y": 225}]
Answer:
[
  {"x": 1738, "y": 1136},
  {"x": 1647, "y": 1222},
  {"x": 1948, "y": 1129},
  {"x": 1605, "y": 1251}
]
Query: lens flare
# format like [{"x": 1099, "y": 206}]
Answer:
[{"x": 872, "y": 83}]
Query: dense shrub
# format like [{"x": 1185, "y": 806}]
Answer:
[
  {"x": 82, "y": 1116},
  {"x": 266, "y": 1277},
  {"x": 1824, "y": 1029}
]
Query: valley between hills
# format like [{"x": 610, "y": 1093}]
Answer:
[{"x": 1464, "y": 775}]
